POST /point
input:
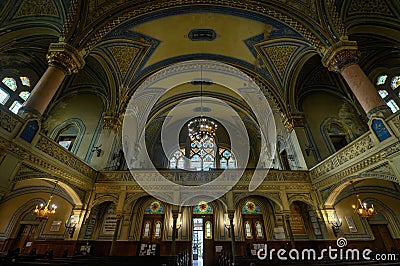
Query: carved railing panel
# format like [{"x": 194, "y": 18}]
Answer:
[{"x": 358, "y": 157}]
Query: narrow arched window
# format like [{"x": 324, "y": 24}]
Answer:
[{"x": 67, "y": 136}]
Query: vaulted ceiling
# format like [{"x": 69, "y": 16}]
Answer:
[{"x": 279, "y": 43}]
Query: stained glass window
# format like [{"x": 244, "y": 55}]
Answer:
[
  {"x": 381, "y": 80},
  {"x": 202, "y": 208},
  {"x": 383, "y": 93},
  {"x": 24, "y": 95},
  {"x": 25, "y": 81},
  {"x": 4, "y": 96},
  {"x": 154, "y": 208},
  {"x": 390, "y": 91},
  {"x": 395, "y": 82},
  {"x": 208, "y": 234},
  {"x": 157, "y": 230},
  {"x": 10, "y": 82},
  {"x": 16, "y": 105},
  {"x": 202, "y": 154},
  {"x": 177, "y": 160},
  {"x": 14, "y": 91},
  {"x": 227, "y": 159},
  {"x": 146, "y": 232},
  {"x": 393, "y": 106},
  {"x": 251, "y": 208},
  {"x": 247, "y": 227},
  {"x": 259, "y": 230}
]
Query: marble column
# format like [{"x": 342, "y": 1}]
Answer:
[
  {"x": 63, "y": 60},
  {"x": 342, "y": 57}
]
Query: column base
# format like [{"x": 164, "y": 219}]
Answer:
[
  {"x": 27, "y": 113},
  {"x": 382, "y": 111}
]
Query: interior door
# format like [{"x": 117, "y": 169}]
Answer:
[
  {"x": 203, "y": 240},
  {"x": 253, "y": 228},
  {"x": 152, "y": 229},
  {"x": 25, "y": 238},
  {"x": 383, "y": 239}
]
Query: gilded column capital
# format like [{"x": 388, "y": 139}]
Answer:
[
  {"x": 292, "y": 120},
  {"x": 65, "y": 57},
  {"x": 341, "y": 55},
  {"x": 111, "y": 121}
]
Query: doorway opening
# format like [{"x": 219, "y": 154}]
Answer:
[{"x": 197, "y": 242}]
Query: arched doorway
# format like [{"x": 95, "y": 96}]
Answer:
[
  {"x": 152, "y": 229},
  {"x": 26, "y": 234},
  {"x": 203, "y": 234}
]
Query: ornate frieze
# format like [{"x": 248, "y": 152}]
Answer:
[
  {"x": 37, "y": 7},
  {"x": 65, "y": 57},
  {"x": 203, "y": 177},
  {"x": 56, "y": 151},
  {"x": 49, "y": 167},
  {"x": 359, "y": 167},
  {"x": 371, "y": 6},
  {"x": 7, "y": 121},
  {"x": 341, "y": 55},
  {"x": 355, "y": 149}
]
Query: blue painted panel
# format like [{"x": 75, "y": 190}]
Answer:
[
  {"x": 380, "y": 130},
  {"x": 30, "y": 130}
]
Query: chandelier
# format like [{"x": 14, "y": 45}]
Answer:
[
  {"x": 363, "y": 209},
  {"x": 202, "y": 128},
  {"x": 44, "y": 211}
]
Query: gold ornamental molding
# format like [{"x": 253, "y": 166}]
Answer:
[
  {"x": 65, "y": 57},
  {"x": 341, "y": 55},
  {"x": 292, "y": 120}
]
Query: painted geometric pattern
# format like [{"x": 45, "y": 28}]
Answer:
[
  {"x": 280, "y": 56},
  {"x": 37, "y": 7},
  {"x": 203, "y": 208},
  {"x": 124, "y": 56},
  {"x": 100, "y": 7},
  {"x": 250, "y": 208},
  {"x": 370, "y": 6},
  {"x": 154, "y": 208}
]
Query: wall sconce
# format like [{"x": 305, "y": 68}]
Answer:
[
  {"x": 336, "y": 226},
  {"x": 308, "y": 149},
  {"x": 71, "y": 224},
  {"x": 227, "y": 224},
  {"x": 97, "y": 150}
]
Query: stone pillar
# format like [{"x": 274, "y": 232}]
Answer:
[
  {"x": 120, "y": 205},
  {"x": 63, "y": 60},
  {"x": 116, "y": 231},
  {"x": 231, "y": 215},
  {"x": 175, "y": 214},
  {"x": 305, "y": 149},
  {"x": 342, "y": 57},
  {"x": 289, "y": 229}
]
